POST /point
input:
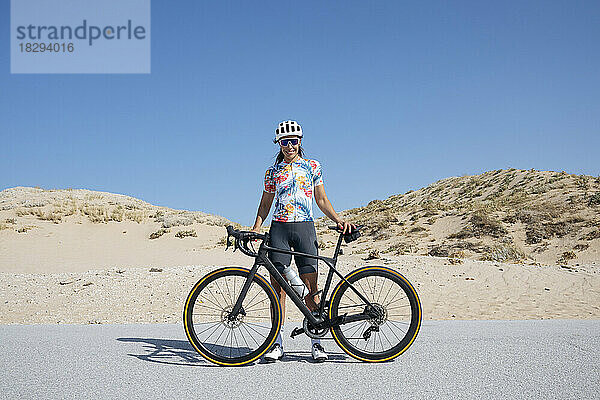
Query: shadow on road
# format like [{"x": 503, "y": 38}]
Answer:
[
  {"x": 181, "y": 352},
  {"x": 168, "y": 351},
  {"x": 305, "y": 356}
]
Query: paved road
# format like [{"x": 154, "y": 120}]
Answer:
[{"x": 449, "y": 359}]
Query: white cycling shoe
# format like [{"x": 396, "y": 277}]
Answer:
[
  {"x": 318, "y": 353},
  {"x": 276, "y": 353}
]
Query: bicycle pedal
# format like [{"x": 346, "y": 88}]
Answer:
[{"x": 296, "y": 332}]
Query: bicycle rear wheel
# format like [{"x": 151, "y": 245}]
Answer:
[
  {"x": 399, "y": 314},
  {"x": 221, "y": 340}
]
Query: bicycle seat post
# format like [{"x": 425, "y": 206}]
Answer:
[{"x": 337, "y": 247}]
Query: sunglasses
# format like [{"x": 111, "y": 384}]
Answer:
[{"x": 285, "y": 142}]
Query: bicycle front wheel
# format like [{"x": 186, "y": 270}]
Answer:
[
  {"x": 399, "y": 314},
  {"x": 220, "y": 339}
]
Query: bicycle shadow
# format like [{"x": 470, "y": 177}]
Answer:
[
  {"x": 181, "y": 352},
  {"x": 306, "y": 357},
  {"x": 168, "y": 351}
]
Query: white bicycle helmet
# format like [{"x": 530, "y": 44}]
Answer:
[{"x": 287, "y": 128}]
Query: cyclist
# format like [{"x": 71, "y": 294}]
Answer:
[{"x": 293, "y": 181}]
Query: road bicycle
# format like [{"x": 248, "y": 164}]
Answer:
[{"x": 233, "y": 315}]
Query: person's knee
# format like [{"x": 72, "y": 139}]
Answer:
[{"x": 307, "y": 269}]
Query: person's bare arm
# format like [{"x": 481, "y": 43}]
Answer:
[
  {"x": 263, "y": 210},
  {"x": 325, "y": 206}
]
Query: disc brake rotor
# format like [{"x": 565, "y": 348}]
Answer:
[{"x": 225, "y": 320}]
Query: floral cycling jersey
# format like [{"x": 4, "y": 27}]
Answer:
[{"x": 293, "y": 185}]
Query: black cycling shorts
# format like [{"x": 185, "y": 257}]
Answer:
[{"x": 299, "y": 236}]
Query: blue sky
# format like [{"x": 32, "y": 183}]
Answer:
[{"x": 392, "y": 96}]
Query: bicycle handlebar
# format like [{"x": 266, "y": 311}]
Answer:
[{"x": 241, "y": 240}]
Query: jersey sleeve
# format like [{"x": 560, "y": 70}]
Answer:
[
  {"x": 317, "y": 172},
  {"x": 269, "y": 181}
]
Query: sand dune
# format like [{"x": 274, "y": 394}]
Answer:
[{"x": 78, "y": 256}]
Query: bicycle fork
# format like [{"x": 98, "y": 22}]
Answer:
[{"x": 237, "y": 308}]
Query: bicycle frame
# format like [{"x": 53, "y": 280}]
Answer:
[{"x": 263, "y": 259}]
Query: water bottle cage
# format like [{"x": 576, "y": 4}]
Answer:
[{"x": 299, "y": 289}]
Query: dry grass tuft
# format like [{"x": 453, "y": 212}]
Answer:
[
  {"x": 593, "y": 235},
  {"x": 373, "y": 254},
  {"x": 505, "y": 253},
  {"x": 566, "y": 256},
  {"x": 402, "y": 248},
  {"x": 480, "y": 224},
  {"x": 159, "y": 233},
  {"x": 182, "y": 234}
]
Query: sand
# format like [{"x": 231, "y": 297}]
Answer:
[{"x": 78, "y": 271}]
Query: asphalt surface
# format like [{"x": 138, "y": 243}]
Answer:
[{"x": 449, "y": 359}]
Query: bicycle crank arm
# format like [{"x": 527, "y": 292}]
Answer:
[{"x": 296, "y": 332}]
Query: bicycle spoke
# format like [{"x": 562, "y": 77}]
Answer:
[
  {"x": 380, "y": 342},
  {"x": 368, "y": 284},
  {"x": 230, "y": 340},
  {"x": 390, "y": 328},
  {"x": 210, "y": 315},
  {"x": 362, "y": 288},
  {"x": 252, "y": 299},
  {"x": 212, "y": 302},
  {"x": 395, "y": 308},
  {"x": 244, "y": 338},
  {"x": 222, "y": 294},
  {"x": 386, "y": 338},
  {"x": 259, "y": 309},
  {"x": 257, "y": 325},
  {"x": 359, "y": 330},
  {"x": 210, "y": 308},
  {"x": 358, "y": 325},
  {"x": 387, "y": 294},
  {"x": 216, "y": 324},
  {"x": 216, "y": 302},
  {"x": 398, "y": 322},
  {"x": 257, "y": 303},
  {"x": 235, "y": 293},
  {"x": 227, "y": 286},
  {"x": 246, "y": 328},
  {"x": 397, "y": 293}
]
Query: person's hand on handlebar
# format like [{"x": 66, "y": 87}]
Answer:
[
  {"x": 257, "y": 230},
  {"x": 345, "y": 226}
]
